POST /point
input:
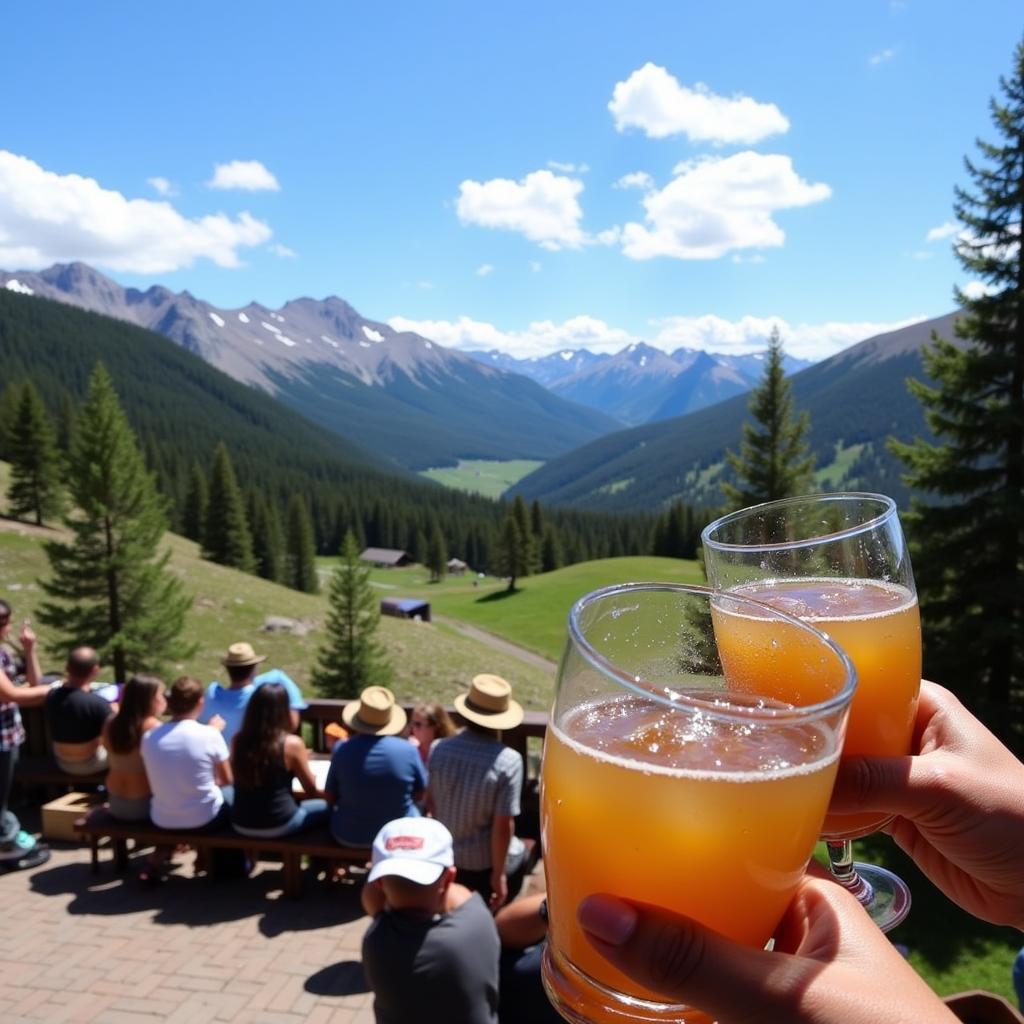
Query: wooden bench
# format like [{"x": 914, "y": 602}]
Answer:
[
  {"x": 42, "y": 771},
  {"x": 99, "y": 824}
]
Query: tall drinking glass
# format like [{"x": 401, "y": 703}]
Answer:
[
  {"x": 840, "y": 562},
  {"x": 688, "y": 763}
]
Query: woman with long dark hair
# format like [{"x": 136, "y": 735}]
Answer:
[
  {"x": 265, "y": 757},
  {"x": 142, "y": 704}
]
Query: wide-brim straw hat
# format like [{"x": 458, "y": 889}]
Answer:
[
  {"x": 489, "y": 703},
  {"x": 240, "y": 655},
  {"x": 375, "y": 713}
]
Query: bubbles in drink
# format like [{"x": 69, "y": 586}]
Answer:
[{"x": 697, "y": 737}]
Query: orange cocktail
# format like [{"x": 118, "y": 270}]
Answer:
[
  {"x": 671, "y": 777},
  {"x": 879, "y": 627},
  {"x": 673, "y": 829}
]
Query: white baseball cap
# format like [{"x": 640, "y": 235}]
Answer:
[{"x": 418, "y": 849}]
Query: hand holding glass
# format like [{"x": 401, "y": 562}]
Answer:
[
  {"x": 840, "y": 562},
  {"x": 688, "y": 763}
]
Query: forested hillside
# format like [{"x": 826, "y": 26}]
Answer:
[
  {"x": 856, "y": 399},
  {"x": 181, "y": 407}
]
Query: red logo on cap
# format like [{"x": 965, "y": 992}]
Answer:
[{"x": 404, "y": 843}]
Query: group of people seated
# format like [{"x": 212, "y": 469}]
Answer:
[{"x": 194, "y": 757}]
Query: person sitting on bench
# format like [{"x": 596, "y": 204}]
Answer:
[{"x": 76, "y": 716}]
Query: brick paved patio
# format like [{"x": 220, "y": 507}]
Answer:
[{"x": 79, "y": 947}]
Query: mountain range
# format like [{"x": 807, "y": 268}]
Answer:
[
  {"x": 856, "y": 400},
  {"x": 417, "y": 403},
  {"x": 641, "y": 384}
]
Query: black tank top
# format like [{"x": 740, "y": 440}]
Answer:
[{"x": 268, "y": 806}]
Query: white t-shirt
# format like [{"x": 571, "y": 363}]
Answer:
[{"x": 180, "y": 758}]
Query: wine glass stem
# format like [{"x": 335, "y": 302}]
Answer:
[{"x": 840, "y": 863}]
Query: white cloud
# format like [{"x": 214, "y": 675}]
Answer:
[
  {"x": 922, "y": 254},
  {"x": 163, "y": 186},
  {"x": 540, "y": 338},
  {"x": 542, "y": 206},
  {"x": 709, "y": 333},
  {"x": 944, "y": 230},
  {"x": 283, "y": 251},
  {"x": 881, "y": 57},
  {"x": 978, "y": 289},
  {"x": 47, "y": 217},
  {"x": 565, "y": 168},
  {"x": 749, "y": 334},
  {"x": 653, "y": 100},
  {"x": 484, "y": 269},
  {"x": 535, "y": 266},
  {"x": 636, "y": 179},
  {"x": 248, "y": 175},
  {"x": 716, "y": 205}
]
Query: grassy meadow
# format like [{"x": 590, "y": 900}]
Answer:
[
  {"x": 428, "y": 660},
  {"x": 482, "y": 476}
]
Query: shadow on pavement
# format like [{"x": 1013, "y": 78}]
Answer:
[{"x": 344, "y": 978}]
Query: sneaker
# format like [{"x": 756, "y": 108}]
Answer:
[
  {"x": 23, "y": 852},
  {"x": 22, "y": 844}
]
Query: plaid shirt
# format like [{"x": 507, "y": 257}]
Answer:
[
  {"x": 472, "y": 779},
  {"x": 12, "y": 732}
]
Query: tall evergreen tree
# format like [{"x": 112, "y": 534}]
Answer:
[
  {"x": 110, "y": 586},
  {"x": 551, "y": 551},
  {"x": 300, "y": 551},
  {"x": 35, "y": 490},
  {"x": 513, "y": 550},
  {"x": 10, "y": 399},
  {"x": 351, "y": 657},
  {"x": 530, "y": 543},
  {"x": 773, "y": 461},
  {"x": 267, "y": 537},
  {"x": 197, "y": 504},
  {"x": 969, "y": 541},
  {"x": 437, "y": 554},
  {"x": 226, "y": 536}
]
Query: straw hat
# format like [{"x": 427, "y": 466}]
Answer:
[
  {"x": 242, "y": 654},
  {"x": 376, "y": 713},
  {"x": 489, "y": 703}
]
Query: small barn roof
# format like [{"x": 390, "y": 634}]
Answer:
[{"x": 383, "y": 556}]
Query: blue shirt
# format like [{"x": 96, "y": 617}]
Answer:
[
  {"x": 373, "y": 780},
  {"x": 230, "y": 704}
]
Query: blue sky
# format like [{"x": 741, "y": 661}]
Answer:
[{"x": 528, "y": 176}]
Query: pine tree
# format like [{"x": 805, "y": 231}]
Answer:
[
  {"x": 773, "y": 461},
  {"x": 351, "y": 656},
  {"x": 437, "y": 554},
  {"x": 551, "y": 551},
  {"x": 197, "y": 504},
  {"x": 969, "y": 543},
  {"x": 513, "y": 551},
  {"x": 267, "y": 538},
  {"x": 300, "y": 552},
  {"x": 10, "y": 399},
  {"x": 36, "y": 467},
  {"x": 110, "y": 586},
  {"x": 531, "y": 559},
  {"x": 226, "y": 536}
]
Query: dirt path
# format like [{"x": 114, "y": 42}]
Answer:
[{"x": 498, "y": 644}]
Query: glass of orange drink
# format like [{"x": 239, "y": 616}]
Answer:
[
  {"x": 688, "y": 763},
  {"x": 840, "y": 562}
]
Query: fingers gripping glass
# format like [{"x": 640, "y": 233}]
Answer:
[
  {"x": 840, "y": 562},
  {"x": 688, "y": 763}
]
